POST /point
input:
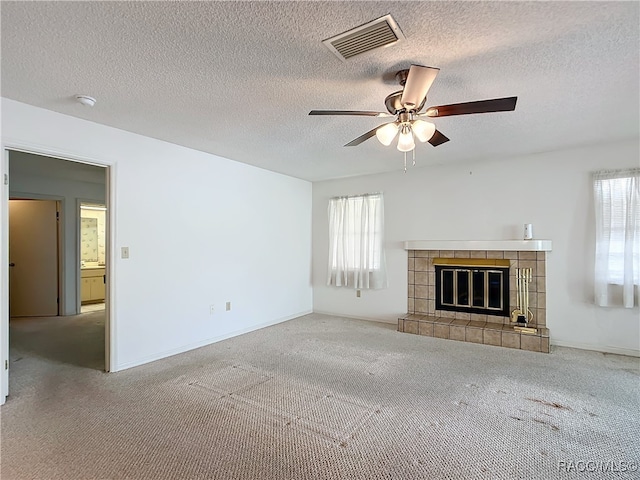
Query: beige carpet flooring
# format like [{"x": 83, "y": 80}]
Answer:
[{"x": 318, "y": 397}]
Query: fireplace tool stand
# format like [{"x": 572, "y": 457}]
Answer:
[{"x": 522, "y": 315}]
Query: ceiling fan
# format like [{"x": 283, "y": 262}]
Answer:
[{"x": 406, "y": 105}]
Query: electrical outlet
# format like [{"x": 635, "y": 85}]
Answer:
[
  {"x": 228, "y": 306},
  {"x": 358, "y": 293},
  {"x": 212, "y": 309}
]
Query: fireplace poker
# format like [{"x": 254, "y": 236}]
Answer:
[{"x": 516, "y": 314}]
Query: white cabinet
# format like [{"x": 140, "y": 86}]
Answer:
[
  {"x": 92, "y": 288},
  {"x": 85, "y": 290}
]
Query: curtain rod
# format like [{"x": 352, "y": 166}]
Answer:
[
  {"x": 616, "y": 173},
  {"x": 353, "y": 196}
]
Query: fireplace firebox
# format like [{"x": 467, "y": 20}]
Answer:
[{"x": 472, "y": 286}]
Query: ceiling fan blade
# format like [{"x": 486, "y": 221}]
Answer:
[
  {"x": 418, "y": 83},
  {"x": 359, "y": 113},
  {"x": 506, "y": 104},
  {"x": 438, "y": 139},
  {"x": 362, "y": 138}
]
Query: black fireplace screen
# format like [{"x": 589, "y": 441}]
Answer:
[{"x": 483, "y": 290}]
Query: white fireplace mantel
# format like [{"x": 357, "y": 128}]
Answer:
[{"x": 507, "y": 245}]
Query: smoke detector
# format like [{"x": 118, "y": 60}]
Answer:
[
  {"x": 381, "y": 32},
  {"x": 86, "y": 100}
]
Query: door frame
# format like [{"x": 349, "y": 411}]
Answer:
[
  {"x": 60, "y": 237},
  {"x": 110, "y": 298}
]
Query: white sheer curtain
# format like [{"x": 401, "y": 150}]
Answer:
[
  {"x": 617, "y": 204},
  {"x": 356, "y": 242}
]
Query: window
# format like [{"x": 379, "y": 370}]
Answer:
[
  {"x": 356, "y": 248},
  {"x": 617, "y": 204}
]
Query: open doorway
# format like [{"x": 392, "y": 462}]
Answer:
[
  {"x": 67, "y": 334},
  {"x": 93, "y": 254}
]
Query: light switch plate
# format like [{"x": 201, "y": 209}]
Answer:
[{"x": 125, "y": 252}]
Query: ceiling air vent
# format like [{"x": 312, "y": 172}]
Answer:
[{"x": 378, "y": 33}]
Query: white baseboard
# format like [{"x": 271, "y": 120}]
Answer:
[
  {"x": 370, "y": 319},
  {"x": 235, "y": 333},
  {"x": 203, "y": 343},
  {"x": 598, "y": 348}
]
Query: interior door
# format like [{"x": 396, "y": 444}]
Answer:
[{"x": 33, "y": 258}]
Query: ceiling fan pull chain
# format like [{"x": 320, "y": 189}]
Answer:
[
  {"x": 414, "y": 156},
  {"x": 405, "y": 162}
]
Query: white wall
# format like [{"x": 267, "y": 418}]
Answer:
[
  {"x": 201, "y": 230},
  {"x": 33, "y": 176},
  {"x": 492, "y": 201}
]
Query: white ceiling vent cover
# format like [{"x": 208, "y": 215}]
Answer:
[{"x": 381, "y": 32}]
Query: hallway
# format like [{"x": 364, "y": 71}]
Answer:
[{"x": 76, "y": 340}]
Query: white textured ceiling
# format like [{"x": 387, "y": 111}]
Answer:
[{"x": 237, "y": 79}]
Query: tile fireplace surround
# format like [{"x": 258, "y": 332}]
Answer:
[{"x": 423, "y": 319}]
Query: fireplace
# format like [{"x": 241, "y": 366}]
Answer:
[
  {"x": 473, "y": 286},
  {"x": 466, "y": 291}
]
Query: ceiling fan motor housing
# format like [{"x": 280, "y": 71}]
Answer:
[
  {"x": 405, "y": 117},
  {"x": 394, "y": 106}
]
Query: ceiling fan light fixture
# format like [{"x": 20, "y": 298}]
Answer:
[
  {"x": 423, "y": 130},
  {"x": 405, "y": 139},
  {"x": 405, "y": 105},
  {"x": 386, "y": 133}
]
